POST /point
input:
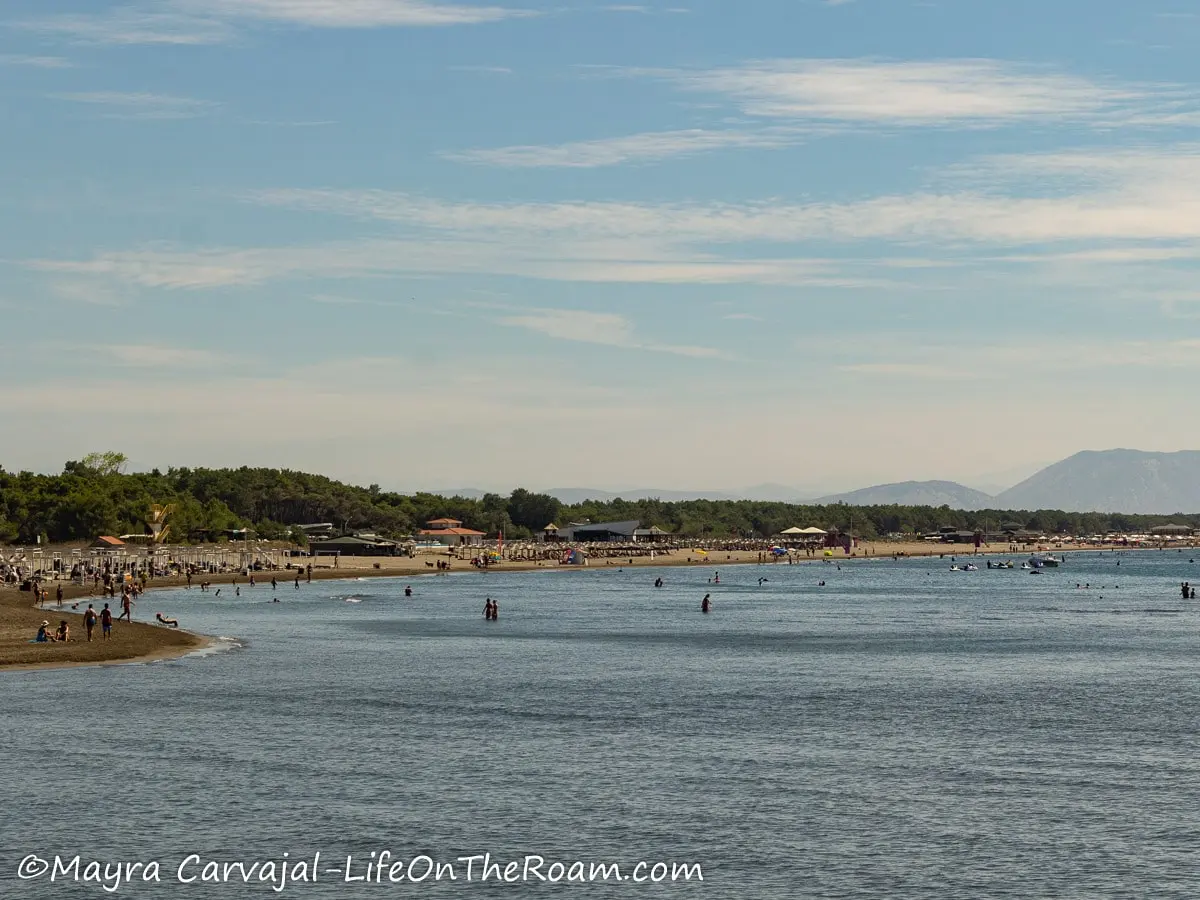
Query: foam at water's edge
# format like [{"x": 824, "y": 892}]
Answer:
[{"x": 220, "y": 644}]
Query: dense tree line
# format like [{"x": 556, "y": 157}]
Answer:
[{"x": 96, "y": 496}]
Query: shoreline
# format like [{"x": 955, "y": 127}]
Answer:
[{"x": 155, "y": 643}]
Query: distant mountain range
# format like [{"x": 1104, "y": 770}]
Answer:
[
  {"x": 915, "y": 493},
  {"x": 1129, "y": 481}
]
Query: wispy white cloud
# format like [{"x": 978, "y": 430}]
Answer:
[
  {"x": 161, "y": 24},
  {"x": 217, "y": 21},
  {"x": 968, "y": 92},
  {"x": 997, "y": 361},
  {"x": 645, "y": 147},
  {"x": 608, "y": 329},
  {"x": 90, "y": 291},
  {"x": 483, "y": 70},
  {"x": 1111, "y": 196},
  {"x": 1136, "y": 209},
  {"x": 153, "y": 356},
  {"x": 352, "y": 13},
  {"x": 143, "y": 105},
  {"x": 36, "y": 62},
  {"x": 905, "y": 370}
]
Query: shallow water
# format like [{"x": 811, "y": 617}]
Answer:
[{"x": 902, "y": 732}]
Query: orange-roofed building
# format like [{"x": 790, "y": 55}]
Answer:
[{"x": 451, "y": 533}]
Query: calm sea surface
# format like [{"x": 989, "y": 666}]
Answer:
[{"x": 902, "y": 732}]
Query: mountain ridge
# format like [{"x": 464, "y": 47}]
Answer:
[
  {"x": 913, "y": 493},
  {"x": 1118, "y": 480}
]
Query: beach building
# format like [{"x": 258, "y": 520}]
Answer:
[
  {"x": 317, "y": 531},
  {"x": 1172, "y": 531},
  {"x": 450, "y": 533},
  {"x": 354, "y": 545},
  {"x": 601, "y": 532},
  {"x": 108, "y": 542},
  {"x": 653, "y": 534},
  {"x": 550, "y": 533}
]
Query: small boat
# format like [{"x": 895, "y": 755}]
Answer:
[
  {"x": 1049, "y": 562},
  {"x": 971, "y": 568},
  {"x": 1026, "y": 565}
]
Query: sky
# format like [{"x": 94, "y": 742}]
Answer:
[{"x": 688, "y": 244}]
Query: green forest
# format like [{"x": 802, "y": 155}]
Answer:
[{"x": 96, "y": 496}]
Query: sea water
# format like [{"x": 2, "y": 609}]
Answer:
[{"x": 903, "y": 731}]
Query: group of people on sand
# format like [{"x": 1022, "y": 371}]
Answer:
[
  {"x": 491, "y": 610},
  {"x": 91, "y": 618},
  {"x": 46, "y": 636}
]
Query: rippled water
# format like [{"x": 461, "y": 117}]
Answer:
[{"x": 902, "y": 732}]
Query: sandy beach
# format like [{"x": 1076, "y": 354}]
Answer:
[{"x": 144, "y": 642}]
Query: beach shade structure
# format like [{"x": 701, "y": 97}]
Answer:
[
  {"x": 793, "y": 531},
  {"x": 1171, "y": 529},
  {"x": 813, "y": 530}
]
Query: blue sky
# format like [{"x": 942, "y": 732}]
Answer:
[{"x": 686, "y": 244}]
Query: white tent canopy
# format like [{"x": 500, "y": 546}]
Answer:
[
  {"x": 793, "y": 530},
  {"x": 812, "y": 530}
]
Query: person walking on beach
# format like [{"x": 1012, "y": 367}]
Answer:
[
  {"x": 59, "y": 595},
  {"x": 106, "y": 621},
  {"x": 297, "y": 581},
  {"x": 89, "y": 621},
  {"x": 126, "y": 609},
  {"x": 309, "y": 570}
]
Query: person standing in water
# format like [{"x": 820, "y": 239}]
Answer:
[
  {"x": 706, "y": 603},
  {"x": 487, "y": 609},
  {"x": 495, "y": 611}
]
